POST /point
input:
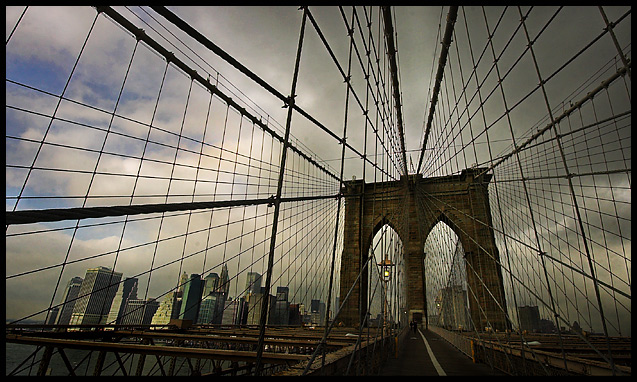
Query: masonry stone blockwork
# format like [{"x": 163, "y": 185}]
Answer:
[{"x": 412, "y": 206}]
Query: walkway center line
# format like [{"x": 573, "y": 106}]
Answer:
[{"x": 439, "y": 369}]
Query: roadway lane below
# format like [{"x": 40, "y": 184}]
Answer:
[{"x": 442, "y": 358}]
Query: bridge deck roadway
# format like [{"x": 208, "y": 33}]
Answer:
[{"x": 415, "y": 359}]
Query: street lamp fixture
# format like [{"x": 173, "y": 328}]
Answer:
[
  {"x": 386, "y": 268},
  {"x": 386, "y": 272}
]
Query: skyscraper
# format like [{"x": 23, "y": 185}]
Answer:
[
  {"x": 255, "y": 302},
  {"x": 170, "y": 305},
  {"x": 168, "y": 308},
  {"x": 282, "y": 293},
  {"x": 127, "y": 291},
  {"x": 253, "y": 283},
  {"x": 182, "y": 282},
  {"x": 96, "y": 296},
  {"x": 453, "y": 308},
  {"x": 211, "y": 282},
  {"x": 224, "y": 282},
  {"x": 191, "y": 299},
  {"x": 139, "y": 312},
  {"x": 70, "y": 295},
  {"x": 282, "y": 307},
  {"x": 317, "y": 311},
  {"x": 295, "y": 317},
  {"x": 233, "y": 312},
  {"x": 53, "y": 316},
  {"x": 529, "y": 318}
]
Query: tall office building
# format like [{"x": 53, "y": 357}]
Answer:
[
  {"x": 139, "y": 312},
  {"x": 295, "y": 317},
  {"x": 529, "y": 318},
  {"x": 70, "y": 295},
  {"x": 168, "y": 308},
  {"x": 211, "y": 309},
  {"x": 453, "y": 308},
  {"x": 253, "y": 283},
  {"x": 282, "y": 293},
  {"x": 170, "y": 305},
  {"x": 182, "y": 282},
  {"x": 233, "y": 312},
  {"x": 53, "y": 316},
  {"x": 281, "y": 315},
  {"x": 317, "y": 312},
  {"x": 211, "y": 282},
  {"x": 127, "y": 291},
  {"x": 224, "y": 281},
  {"x": 255, "y": 303},
  {"x": 191, "y": 299},
  {"x": 96, "y": 296}
]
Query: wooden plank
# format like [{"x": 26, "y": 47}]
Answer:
[
  {"x": 232, "y": 355},
  {"x": 294, "y": 341}
]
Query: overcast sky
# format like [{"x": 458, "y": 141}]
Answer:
[{"x": 46, "y": 43}]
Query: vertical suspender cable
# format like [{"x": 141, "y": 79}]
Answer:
[
  {"x": 277, "y": 200},
  {"x": 338, "y": 207},
  {"x": 573, "y": 195},
  {"x": 620, "y": 52}
]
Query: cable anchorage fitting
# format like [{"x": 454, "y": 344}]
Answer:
[{"x": 289, "y": 101}]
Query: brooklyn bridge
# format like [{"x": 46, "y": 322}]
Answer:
[{"x": 350, "y": 190}]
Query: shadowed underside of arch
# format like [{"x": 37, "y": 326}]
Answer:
[{"x": 412, "y": 206}]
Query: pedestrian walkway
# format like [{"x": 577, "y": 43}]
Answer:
[{"x": 427, "y": 354}]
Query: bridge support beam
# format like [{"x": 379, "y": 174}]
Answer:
[
  {"x": 412, "y": 207},
  {"x": 368, "y": 207}
]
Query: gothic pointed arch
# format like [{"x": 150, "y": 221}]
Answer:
[{"x": 461, "y": 201}]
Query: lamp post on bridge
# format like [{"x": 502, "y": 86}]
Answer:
[{"x": 386, "y": 266}]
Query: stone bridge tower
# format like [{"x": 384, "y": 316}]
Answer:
[{"x": 412, "y": 206}]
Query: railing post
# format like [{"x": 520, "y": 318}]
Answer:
[
  {"x": 99, "y": 364},
  {"x": 44, "y": 363}
]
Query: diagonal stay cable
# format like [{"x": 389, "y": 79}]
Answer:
[
  {"x": 141, "y": 35},
  {"x": 589, "y": 96},
  {"x": 184, "y": 26},
  {"x": 391, "y": 52},
  {"x": 446, "y": 42}
]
